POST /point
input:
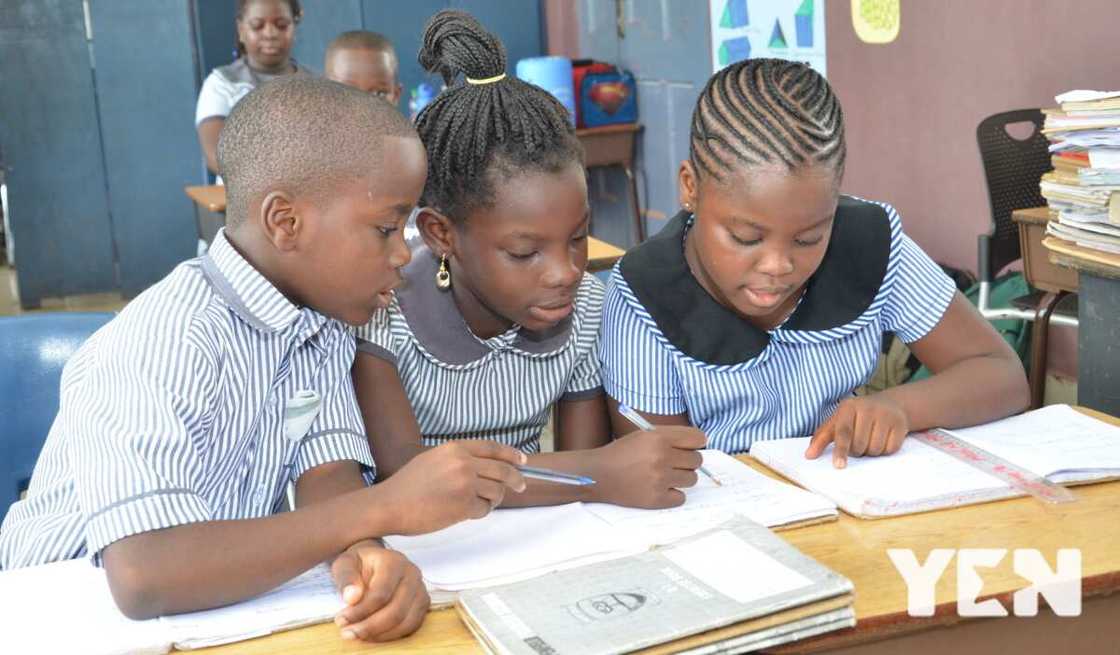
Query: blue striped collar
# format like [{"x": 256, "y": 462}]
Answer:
[
  {"x": 437, "y": 324},
  {"x": 248, "y": 293},
  {"x": 838, "y": 293}
]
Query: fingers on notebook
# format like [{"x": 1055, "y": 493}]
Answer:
[{"x": 869, "y": 426}]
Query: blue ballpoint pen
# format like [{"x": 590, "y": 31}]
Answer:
[
  {"x": 548, "y": 475},
  {"x": 642, "y": 424}
]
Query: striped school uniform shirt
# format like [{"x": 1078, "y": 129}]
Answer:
[
  {"x": 669, "y": 348},
  {"x": 464, "y": 387},
  {"x": 174, "y": 413}
]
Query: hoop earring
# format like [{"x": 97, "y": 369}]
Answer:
[{"x": 443, "y": 275}]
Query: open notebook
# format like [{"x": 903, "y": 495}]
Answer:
[
  {"x": 66, "y": 607},
  {"x": 508, "y": 545},
  {"x": 511, "y": 545},
  {"x": 1056, "y": 442}
]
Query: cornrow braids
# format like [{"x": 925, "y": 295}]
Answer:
[
  {"x": 766, "y": 112},
  {"x": 479, "y": 135}
]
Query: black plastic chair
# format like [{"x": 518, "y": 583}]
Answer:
[{"x": 1012, "y": 169}]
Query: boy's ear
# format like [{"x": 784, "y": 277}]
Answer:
[
  {"x": 437, "y": 230},
  {"x": 688, "y": 186},
  {"x": 279, "y": 221}
]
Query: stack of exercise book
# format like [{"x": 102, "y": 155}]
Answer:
[
  {"x": 736, "y": 588},
  {"x": 1083, "y": 190}
]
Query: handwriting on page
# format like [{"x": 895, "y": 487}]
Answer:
[{"x": 744, "y": 492}]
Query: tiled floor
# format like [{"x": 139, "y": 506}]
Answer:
[{"x": 94, "y": 302}]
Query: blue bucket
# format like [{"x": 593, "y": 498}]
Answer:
[{"x": 553, "y": 74}]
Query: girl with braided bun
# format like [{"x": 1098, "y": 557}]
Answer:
[
  {"x": 497, "y": 322},
  {"x": 761, "y": 306}
]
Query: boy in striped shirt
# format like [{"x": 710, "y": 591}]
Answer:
[{"x": 183, "y": 420}]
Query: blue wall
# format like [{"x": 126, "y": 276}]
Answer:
[
  {"x": 57, "y": 204},
  {"x": 666, "y": 45},
  {"x": 99, "y": 135}
]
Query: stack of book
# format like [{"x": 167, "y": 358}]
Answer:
[
  {"x": 734, "y": 589},
  {"x": 1083, "y": 190}
]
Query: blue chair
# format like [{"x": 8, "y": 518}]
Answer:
[{"x": 33, "y": 349}]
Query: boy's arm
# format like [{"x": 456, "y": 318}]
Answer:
[
  {"x": 391, "y": 427},
  {"x": 211, "y": 563}
]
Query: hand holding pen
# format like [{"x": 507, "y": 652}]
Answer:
[{"x": 642, "y": 424}]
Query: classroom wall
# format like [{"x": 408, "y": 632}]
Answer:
[
  {"x": 912, "y": 106},
  {"x": 95, "y": 123}
]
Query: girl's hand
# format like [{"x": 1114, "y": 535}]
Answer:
[
  {"x": 868, "y": 425},
  {"x": 648, "y": 469}
]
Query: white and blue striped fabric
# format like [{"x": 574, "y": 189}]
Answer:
[
  {"x": 795, "y": 383},
  {"x": 173, "y": 413},
  {"x": 463, "y": 387}
]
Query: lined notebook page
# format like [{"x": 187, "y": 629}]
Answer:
[
  {"x": 744, "y": 492},
  {"x": 512, "y": 544},
  {"x": 914, "y": 479},
  {"x": 307, "y": 599},
  {"x": 1055, "y": 441},
  {"x": 1052, "y": 440}
]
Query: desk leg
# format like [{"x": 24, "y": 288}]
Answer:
[
  {"x": 1098, "y": 343},
  {"x": 208, "y": 223},
  {"x": 1040, "y": 333},
  {"x": 639, "y": 222}
]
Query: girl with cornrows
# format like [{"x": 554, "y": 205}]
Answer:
[
  {"x": 497, "y": 321},
  {"x": 761, "y": 306}
]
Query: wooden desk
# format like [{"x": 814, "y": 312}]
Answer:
[
  {"x": 210, "y": 209},
  {"x": 857, "y": 549},
  {"x": 1040, "y": 272},
  {"x": 613, "y": 145},
  {"x": 212, "y": 197},
  {"x": 600, "y": 254},
  {"x": 1098, "y": 310}
]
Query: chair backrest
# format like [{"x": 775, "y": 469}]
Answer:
[
  {"x": 33, "y": 350},
  {"x": 1012, "y": 168}
]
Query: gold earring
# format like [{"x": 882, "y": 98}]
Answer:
[
  {"x": 443, "y": 275},
  {"x": 688, "y": 207}
]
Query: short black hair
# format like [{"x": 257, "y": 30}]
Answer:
[
  {"x": 363, "y": 40},
  {"x": 766, "y": 112},
  {"x": 478, "y": 135},
  {"x": 239, "y": 13},
  {"x": 302, "y": 134}
]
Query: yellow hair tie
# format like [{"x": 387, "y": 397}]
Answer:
[{"x": 488, "y": 80}]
